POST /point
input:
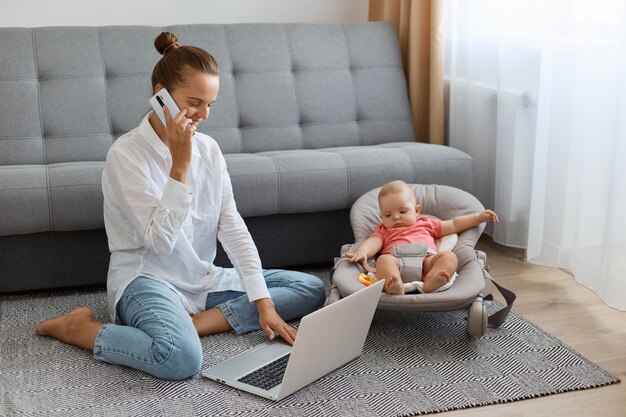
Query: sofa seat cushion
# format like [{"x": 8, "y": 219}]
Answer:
[
  {"x": 55, "y": 197},
  {"x": 68, "y": 196},
  {"x": 326, "y": 179}
]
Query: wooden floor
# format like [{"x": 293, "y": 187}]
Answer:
[{"x": 554, "y": 301}]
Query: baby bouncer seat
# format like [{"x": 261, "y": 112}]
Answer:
[{"x": 467, "y": 290}]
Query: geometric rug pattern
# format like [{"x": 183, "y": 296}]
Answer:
[{"x": 412, "y": 363}]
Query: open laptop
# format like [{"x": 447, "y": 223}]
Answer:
[{"x": 327, "y": 339}]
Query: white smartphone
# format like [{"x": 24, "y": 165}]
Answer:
[{"x": 163, "y": 98}]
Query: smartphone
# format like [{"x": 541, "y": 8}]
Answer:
[{"x": 163, "y": 98}]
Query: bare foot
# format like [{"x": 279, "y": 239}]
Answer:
[
  {"x": 394, "y": 286},
  {"x": 435, "y": 280},
  {"x": 70, "y": 328}
]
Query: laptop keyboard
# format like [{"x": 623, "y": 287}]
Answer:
[{"x": 268, "y": 376}]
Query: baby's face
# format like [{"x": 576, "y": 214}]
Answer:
[{"x": 398, "y": 210}]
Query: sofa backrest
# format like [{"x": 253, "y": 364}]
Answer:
[{"x": 66, "y": 93}]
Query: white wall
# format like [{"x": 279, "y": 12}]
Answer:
[{"x": 33, "y": 13}]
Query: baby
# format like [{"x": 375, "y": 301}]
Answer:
[{"x": 402, "y": 224}]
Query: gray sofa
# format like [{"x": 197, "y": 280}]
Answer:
[{"x": 309, "y": 118}]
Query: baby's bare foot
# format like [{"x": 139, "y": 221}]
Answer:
[
  {"x": 394, "y": 286},
  {"x": 61, "y": 327},
  {"x": 435, "y": 280}
]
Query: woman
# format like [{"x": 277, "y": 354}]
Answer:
[{"x": 167, "y": 199}]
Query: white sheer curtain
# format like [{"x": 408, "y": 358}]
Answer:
[{"x": 538, "y": 98}]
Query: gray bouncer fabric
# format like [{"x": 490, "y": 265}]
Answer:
[{"x": 443, "y": 202}]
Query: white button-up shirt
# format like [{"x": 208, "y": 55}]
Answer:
[{"x": 162, "y": 229}]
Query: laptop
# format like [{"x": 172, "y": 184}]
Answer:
[{"x": 327, "y": 339}]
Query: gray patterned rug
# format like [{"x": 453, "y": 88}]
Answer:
[{"x": 413, "y": 363}]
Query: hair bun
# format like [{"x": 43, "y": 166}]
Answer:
[{"x": 166, "y": 42}]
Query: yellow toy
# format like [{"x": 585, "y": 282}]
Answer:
[{"x": 367, "y": 280}]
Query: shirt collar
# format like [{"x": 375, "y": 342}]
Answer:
[{"x": 148, "y": 132}]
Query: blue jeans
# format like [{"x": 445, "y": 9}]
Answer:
[{"x": 158, "y": 336}]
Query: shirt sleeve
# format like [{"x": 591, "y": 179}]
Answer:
[
  {"x": 435, "y": 227},
  {"x": 156, "y": 215},
  {"x": 378, "y": 232},
  {"x": 233, "y": 233}
]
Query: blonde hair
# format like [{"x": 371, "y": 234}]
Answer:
[
  {"x": 396, "y": 187},
  {"x": 178, "y": 61}
]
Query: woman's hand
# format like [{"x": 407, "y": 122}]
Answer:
[
  {"x": 179, "y": 132},
  {"x": 271, "y": 322}
]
